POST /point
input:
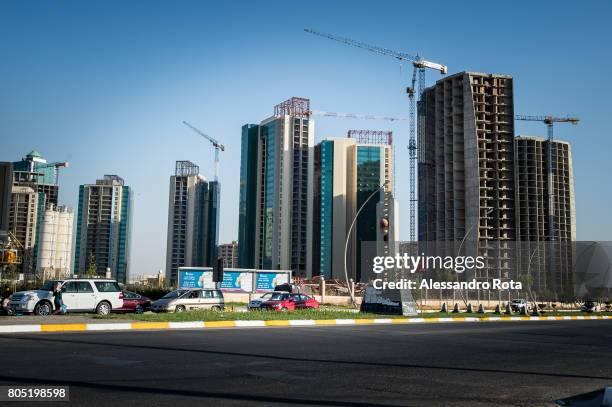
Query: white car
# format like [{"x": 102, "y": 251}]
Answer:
[
  {"x": 518, "y": 304},
  {"x": 78, "y": 295}
]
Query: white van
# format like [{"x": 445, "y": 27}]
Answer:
[
  {"x": 79, "y": 295},
  {"x": 182, "y": 300}
]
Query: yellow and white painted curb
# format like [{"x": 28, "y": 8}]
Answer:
[{"x": 140, "y": 326}]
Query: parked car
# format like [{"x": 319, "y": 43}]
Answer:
[
  {"x": 255, "y": 303},
  {"x": 189, "y": 299},
  {"x": 289, "y": 302},
  {"x": 133, "y": 302},
  {"x": 590, "y": 306},
  {"x": 518, "y": 304},
  {"x": 79, "y": 295}
]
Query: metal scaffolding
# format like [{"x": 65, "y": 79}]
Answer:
[
  {"x": 186, "y": 168},
  {"x": 371, "y": 136},
  {"x": 296, "y": 106}
]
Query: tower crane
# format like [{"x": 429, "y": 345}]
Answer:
[
  {"x": 354, "y": 116},
  {"x": 549, "y": 121},
  {"x": 216, "y": 145},
  {"x": 420, "y": 65}
]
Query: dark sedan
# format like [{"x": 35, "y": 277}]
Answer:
[{"x": 133, "y": 302}]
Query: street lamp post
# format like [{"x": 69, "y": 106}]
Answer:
[
  {"x": 348, "y": 236},
  {"x": 537, "y": 249}
]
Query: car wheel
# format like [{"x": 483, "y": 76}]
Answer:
[
  {"x": 43, "y": 308},
  {"x": 215, "y": 308},
  {"x": 103, "y": 308},
  {"x": 139, "y": 309},
  {"x": 180, "y": 308},
  {"x": 284, "y": 309}
]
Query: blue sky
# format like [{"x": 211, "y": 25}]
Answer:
[{"x": 106, "y": 85}]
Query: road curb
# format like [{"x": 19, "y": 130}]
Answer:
[{"x": 143, "y": 326}]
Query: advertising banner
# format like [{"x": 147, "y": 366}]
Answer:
[
  {"x": 237, "y": 281},
  {"x": 195, "y": 278},
  {"x": 266, "y": 281}
]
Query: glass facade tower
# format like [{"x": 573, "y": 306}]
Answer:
[
  {"x": 368, "y": 181},
  {"x": 268, "y": 139},
  {"x": 104, "y": 224},
  {"x": 247, "y": 208},
  {"x": 193, "y": 220},
  {"x": 324, "y": 196},
  {"x": 275, "y": 208},
  {"x": 346, "y": 173}
]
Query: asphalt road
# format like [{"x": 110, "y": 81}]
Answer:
[{"x": 466, "y": 364}]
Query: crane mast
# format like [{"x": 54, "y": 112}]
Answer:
[
  {"x": 419, "y": 66},
  {"x": 216, "y": 145}
]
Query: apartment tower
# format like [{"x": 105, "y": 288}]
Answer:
[
  {"x": 347, "y": 172},
  {"x": 193, "y": 220},
  {"x": 104, "y": 228},
  {"x": 228, "y": 252},
  {"x": 283, "y": 193},
  {"x": 247, "y": 207}
]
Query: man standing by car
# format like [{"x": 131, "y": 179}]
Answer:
[{"x": 57, "y": 298}]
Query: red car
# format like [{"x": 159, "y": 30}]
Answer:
[
  {"x": 290, "y": 302},
  {"x": 133, "y": 302}
]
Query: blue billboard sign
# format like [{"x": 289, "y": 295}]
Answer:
[
  {"x": 195, "y": 278},
  {"x": 237, "y": 281},
  {"x": 266, "y": 281}
]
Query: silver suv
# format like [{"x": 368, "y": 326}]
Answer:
[
  {"x": 79, "y": 295},
  {"x": 189, "y": 299}
]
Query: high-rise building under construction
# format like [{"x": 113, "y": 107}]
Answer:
[
  {"x": 481, "y": 186},
  {"x": 550, "y": 262},
  {"x": 466, "y": 162},
  {"x": 466, "y": 166},
  {"x": 532, "y": 184},
  {"x": 32, "y": 175}
]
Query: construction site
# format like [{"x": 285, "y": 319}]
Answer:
[{"x": 478, "y": 185}]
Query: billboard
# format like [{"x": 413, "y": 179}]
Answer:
[
  {"x": 242, "y": 280},
  {"x": 237, "y": 281},
  {"x": 267, "y": 280},
  {"x": 195, "y": 277}
]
